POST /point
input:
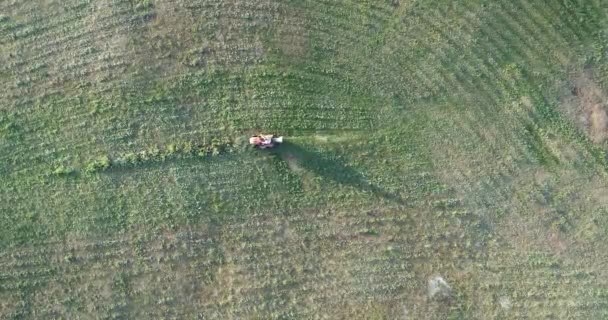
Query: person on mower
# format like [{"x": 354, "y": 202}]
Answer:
[{"x": 261, "y": 140}]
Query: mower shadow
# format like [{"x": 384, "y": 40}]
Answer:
[{"x": 331, "y": 168}]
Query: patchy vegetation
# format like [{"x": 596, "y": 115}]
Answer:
[
  {"x": 444, "y": 159},
  {"x": 587, "y": 106}
]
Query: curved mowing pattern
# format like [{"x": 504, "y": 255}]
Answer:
[{"x": 424, "y": 139}]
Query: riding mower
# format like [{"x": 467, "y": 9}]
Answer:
[{"x": 265, "y": 141}]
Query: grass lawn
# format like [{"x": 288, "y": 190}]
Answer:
[{"x": 460, "y": 139}]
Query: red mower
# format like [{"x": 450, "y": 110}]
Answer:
[{"x": 265, "y": 141}]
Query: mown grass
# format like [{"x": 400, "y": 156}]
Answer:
[{"x": 424, "y": 138}]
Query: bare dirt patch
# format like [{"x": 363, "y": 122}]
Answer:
[
  {"x": 598, "y": 122},
  {"x": 586, "y": 103}
]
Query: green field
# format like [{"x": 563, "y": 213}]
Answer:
[{"x": 462, "y": 139}]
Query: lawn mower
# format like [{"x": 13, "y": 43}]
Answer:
[{"x": 265, "y": 141}]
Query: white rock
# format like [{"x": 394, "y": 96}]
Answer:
[
  {"x": 505, "y": 302},
  {"x": 438, "y": 287}
]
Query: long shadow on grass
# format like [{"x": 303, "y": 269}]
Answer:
[{"x": 331, "y": 168}]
